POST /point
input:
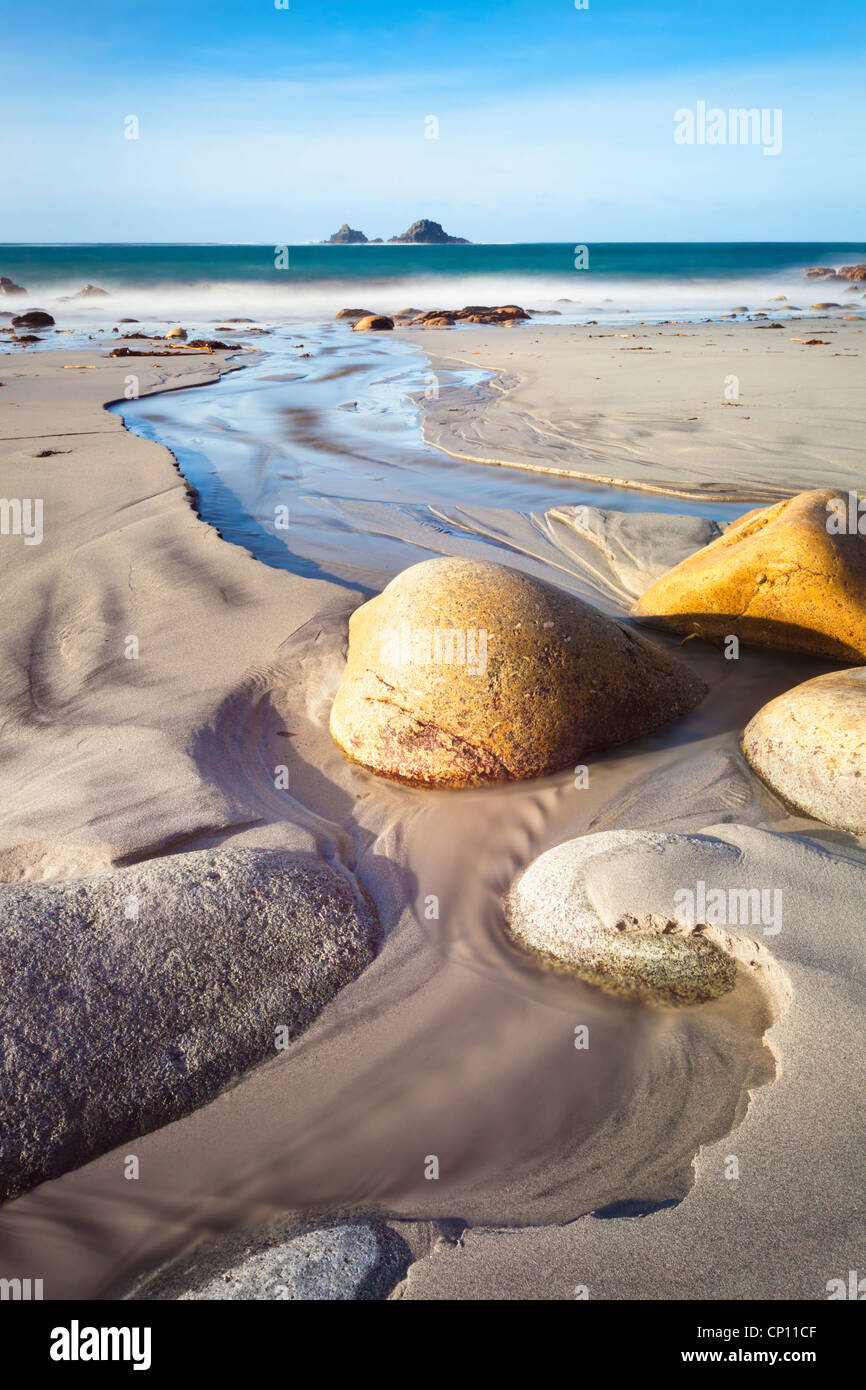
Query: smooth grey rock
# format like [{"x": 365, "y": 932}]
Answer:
[
  {"x": 287, "y": 1261},
  {"x": 131, "y": 998},
  {"x": 809, "y": 746}
]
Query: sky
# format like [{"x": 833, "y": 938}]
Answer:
[{"x": 257, "y": 123}]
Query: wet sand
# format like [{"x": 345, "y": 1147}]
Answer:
[
  {"x": 453, "y": 1042},
  {"x": 753, "y": 416}
]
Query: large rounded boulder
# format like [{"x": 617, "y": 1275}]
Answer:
[
  {"x": 791, "y": 576},
  {"x": 129, "y": 998},
  {"x": 373, "y": 323},
  {"x": 34, "y": 318},
  {"x": 462, "y": 673},
  {"x": 809, "y": 746}
]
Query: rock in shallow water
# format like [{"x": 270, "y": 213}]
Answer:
[
  {"x": 462, "y": 673},
  {"x": 34, "y": 318},
  {"x": 372, "y": 323},
  {"x": 128, "y": 999},
  {"x": 551, "y": 911},
  {"x": 358, "y": 1261},
  {"x": 781, "y": 577},
  {"x": 809, "y": 746}
]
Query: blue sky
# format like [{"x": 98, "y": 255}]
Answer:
[{"x": 554, "y": 124}]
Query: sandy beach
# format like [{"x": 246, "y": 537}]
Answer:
[{"x": 608, "y": 1171}]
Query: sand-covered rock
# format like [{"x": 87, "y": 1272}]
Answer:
[
  {"x": 130, "y": 998},
  {"x": 784, "y": 576},
  {"x": 809, "y": 745},
  {"x": 636, "y": 548},
  {"x": 287, "y": 1260},
  {"x": 462, "y": 673},
  {"x": 662, "y": 949}
]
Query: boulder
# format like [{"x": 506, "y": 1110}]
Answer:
[
  {"x": 130, "y": 998},
  {"x": 551, "y": 911},
  {"x": 372, "y": 323},
  {"x": 779, "y": 577},
  {"x": 450, "y": 314},
  {"x": 853, "y": 272},
  {"x": 656, "y": 916},
  {"x": 8, "y": 286},
  {"x": 91, "y": 292},
  {"x": 462, "y": 673},
  {"x": 34, "y": 318},
  {"x": 831, "y": 305},
  {"x": 821, "y": 272},
  {"x": 287, "y": 1261},
  {"x": 809, "y": 746},
  {"x": 354, "y": 314},
  {"x": 179, "y": 333},
  {"x": 472, "y": 313}
]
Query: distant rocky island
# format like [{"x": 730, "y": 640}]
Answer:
[
  {"x": 421, "y": 233},
  {"x": 348, "y": 236}
]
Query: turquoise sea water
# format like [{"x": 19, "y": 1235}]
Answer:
[
  {"x": 139, "y": 265},
  {"x": 307, "y": 281}
]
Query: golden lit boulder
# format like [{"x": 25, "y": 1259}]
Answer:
[
  {"x": 462, "y": 673},
  {"x": 372, "y": 323},
  {"x": 809, "y": 746},
  {"x": 791, "y": 576},
  {"x": 178, "y": 333}
]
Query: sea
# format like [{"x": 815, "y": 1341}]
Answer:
[{"x": 604, "y": 281}]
